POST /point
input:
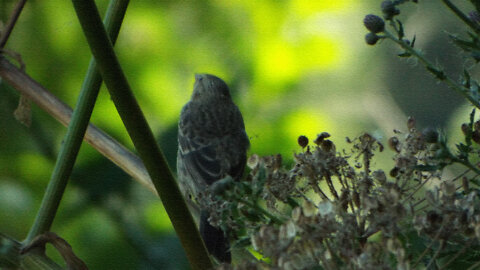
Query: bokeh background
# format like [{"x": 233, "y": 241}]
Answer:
[{"x": 295, "y": 67}]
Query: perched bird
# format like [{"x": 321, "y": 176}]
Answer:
[{"x": 212, "y": 143}]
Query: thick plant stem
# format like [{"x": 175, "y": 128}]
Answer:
[
  {"x": 141, "y": 134},
  {"x": 462, "y": 16},
  {"x": 76, "y": 131}
]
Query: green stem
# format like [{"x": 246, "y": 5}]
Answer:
[
  {"x": 260, "y": 209},
  {"x": 11, "y": 22},
  {"x": 469, "y": 165},
  {"x": 10, "y": 257},
  {"x": 76, "y": 130},
  {"x": 141, "y": 134},
  {"x": 440, "y": 74},
  {"x": 462, "y": 16}
]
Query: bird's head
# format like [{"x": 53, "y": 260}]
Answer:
[{"x": 210, "y": 87}]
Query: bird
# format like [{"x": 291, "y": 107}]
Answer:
[{"x": 212, "y": 144}]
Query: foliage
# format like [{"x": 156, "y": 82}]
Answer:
[{"x": 333, "y": 210}]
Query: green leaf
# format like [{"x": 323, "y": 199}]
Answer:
[
  {"x": 404, "y": 54},
  {"x": 401, "y": 32},
  {"x": 438, "y": 73},
  {"x": 466, "y": 79}
]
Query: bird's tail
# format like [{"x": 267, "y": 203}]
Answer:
[{"x": 215, "y": 239}]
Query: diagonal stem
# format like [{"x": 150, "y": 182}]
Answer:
[
  {"x": 75, "y": 132},
  {"x": 11, "y": 22},
  {"x": 141, "y": 134}
]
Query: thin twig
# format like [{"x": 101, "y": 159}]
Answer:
[
  {"x": 460, "y": 252},
  {"x": 428, "y": 248},
  {"x": 11, "y": 22},
  {"x": 440, "y": 74}
]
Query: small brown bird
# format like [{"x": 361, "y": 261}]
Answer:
[{"x": 212, "y": 143}]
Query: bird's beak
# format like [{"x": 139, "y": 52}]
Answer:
[{"x": 198, "y": 77}]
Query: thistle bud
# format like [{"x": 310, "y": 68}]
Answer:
[
  {"x": 389, "y": 9},
  {"x": 371, "y": 38},
  {"x": 374, "y": 23}
]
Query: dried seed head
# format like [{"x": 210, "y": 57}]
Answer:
[
  {"x": 328, "y": 146},
  {"x": 380, "y": 176},
  {"x": 374, "y": 23},
  {"x": 302, "y": 141},
  {"x": 411, "y": 122},
  {"x": 321, "y": 137},
  {"x": 253, "y": 161},
  {"x": 296, "y": 213},
  {"x": 277, "y": 162},
  {"x": 394, "y": 144},
  {"x": 448, "y": 188},
  {"x": 309, "y": 209},
  {"x": 325, "y": 208}
]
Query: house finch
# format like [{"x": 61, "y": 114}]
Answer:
[{"x": 212, "y": 143}]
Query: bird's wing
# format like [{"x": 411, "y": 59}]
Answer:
[
  {"x": 199, "y": 160},
  {"x": 212, "y": 143}
]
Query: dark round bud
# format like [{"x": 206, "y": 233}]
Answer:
[
  {"x": 476, "y": 125},
  {"x": 380, "y": 146},
  {"x": 389, "y": 9},
  {"x": 371, "y": 38},
  {"x": 465, "y": 129},
  {"x": 328, "y": 146},
  {"x": 321, "y": 137},
  {"x": 476, "y": 136},
  {"x": 394, "y": 172},
  {"x": 430, "y": 135},
  {"x": 302, "y": 141},
  {"x": 433, "y": 217},
  {"x": 374, "y": 23}
]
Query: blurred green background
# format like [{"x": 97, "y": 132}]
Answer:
[{"x": 295, "y": 67}]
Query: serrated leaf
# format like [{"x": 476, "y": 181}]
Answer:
[
  {"x": 404, "y": 54},
  {"x": 472, "y": 45},
  {"x": 466, "y": 79},
  {"x": 463, "y": 149},
  {"x": 401, "y": 32},
  {"x": 438, "y": 73},
  {"x": 426, "y": 168}
]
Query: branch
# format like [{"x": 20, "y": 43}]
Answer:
[{"x": 141, "y": 134}]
